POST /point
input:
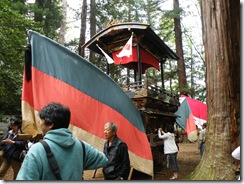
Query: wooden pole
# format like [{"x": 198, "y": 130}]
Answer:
[
  {"x": 130, "y": 174},
  {"x": 162, "y": 72},
  {"x": 139, "y": 63},
  {"x": 107, "y": 68}
]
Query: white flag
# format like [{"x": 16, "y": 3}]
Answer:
[
  {"x": 127, "y": 49},
  {"x": 109, "y": 59}
]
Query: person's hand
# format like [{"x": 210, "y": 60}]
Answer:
[
  {"x": 160, "y": 129},
  {"x": 119, "y": 178},
  {"x": 9, "y": 141}
]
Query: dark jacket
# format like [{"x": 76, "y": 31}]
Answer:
[
  {"x": 10, "y": 148},
  {"x": 118, "y": 164}
]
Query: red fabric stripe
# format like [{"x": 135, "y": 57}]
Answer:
[
  {"x": 190, "y": 124},
  {"x": 86, "y": 112},
  {"x": 27, "y": 93},
  {"x": 198, "y": 108}
]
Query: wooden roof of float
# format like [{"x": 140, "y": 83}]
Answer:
[{"x": 115, "y": 36}]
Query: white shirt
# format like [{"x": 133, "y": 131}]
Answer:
[
  {"x": 169, "y": 142},
  {"x": 202, "y": 134}
]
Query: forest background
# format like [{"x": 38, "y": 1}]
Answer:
[{"x": 71, "y": 23}]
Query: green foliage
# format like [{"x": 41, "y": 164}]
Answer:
[
  {"x": 19, "y": 6},
  {"x": 49, "y": 14},
  {"x": 122, "y": 10},
  {"x": 13, "y": 33},
  {"x": 16, "y": 17},
  {"x": 166, "y": 27},
  {"x": 195, "y": 69},
  {"x": 73, "y": 45}
]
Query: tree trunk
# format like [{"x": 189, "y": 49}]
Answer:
[
  {"x": 93, "y": 26},
  {"x": 221, "y": 31},
  {"x": 179, "y": 50},
  {"x": 63, "y": 23},
  {"x": 83, "y": 28},
  {"x": 38, "y": 17}
]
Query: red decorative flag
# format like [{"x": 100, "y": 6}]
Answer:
[
  {"x": 56, "y": 74},
  {"x": 193, "y": 114}
]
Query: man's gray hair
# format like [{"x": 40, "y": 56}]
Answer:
[{"x": 114, "y": 127}]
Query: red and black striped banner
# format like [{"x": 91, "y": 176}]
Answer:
[{"x": 56, "y": 74}]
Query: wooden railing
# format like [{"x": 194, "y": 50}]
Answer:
[{"x": 145, "y": 88}]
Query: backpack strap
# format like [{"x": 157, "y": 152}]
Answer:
[
  {"x": 51, "y": 160},
  {"x": 84, "y": 153}
]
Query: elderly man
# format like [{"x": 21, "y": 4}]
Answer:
[{"x": 118, "y": 166}]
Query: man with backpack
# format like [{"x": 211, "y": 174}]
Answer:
[{"x": 71, "y": 156}]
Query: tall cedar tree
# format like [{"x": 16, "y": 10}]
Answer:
[
  {"x": 83, "y": 28},
  {"x": 179, "y": 50},
  {"x": 63, "y": 24},
  {"x": 221, "y": 34},
  {"x": 92, "y": 26}
]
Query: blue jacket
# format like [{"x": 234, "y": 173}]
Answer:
[
  {"x": 10, "y": 148},
  {"x": 68, "y": 152}
]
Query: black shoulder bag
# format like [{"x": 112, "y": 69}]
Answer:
[{"x": 52, "y": 161}]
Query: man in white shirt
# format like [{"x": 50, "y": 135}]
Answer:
[{"x": 201, "y": 139}]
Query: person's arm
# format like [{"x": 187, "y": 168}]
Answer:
[
  {"x": 19, "y": 144},
  {"x": 124, "y": 172},
  {"x": 236, "y": 153},
  {"x": 95, "y": 159},
  {"x": 160, "y": 136},
  {"x": 3, "y": 141},
  {"x": 29, "y": 169}
]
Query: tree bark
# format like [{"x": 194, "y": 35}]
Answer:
[
  {"x": 63, "y": 23},
  {"x": 93, "y": 26},
  {"x": 83, "y": 28},
  {"x": 221, "y": 31},
  {"x": 179, "y": 51}
]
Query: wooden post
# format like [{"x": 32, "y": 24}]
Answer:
[
  {"x": 134, "y": 75},
  {"x": 139, "y": 63},
  {"x": 162, "y": 72},
  {"x": 94, "y": 173},
  {"x": 107, "y": 68},
  {"x": 130, "y": 174}
]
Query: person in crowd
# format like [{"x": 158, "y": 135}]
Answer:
[
  {"x": 177, "y": 139},
  {"x": 201, "y": 139},
  {"x": 237, "y": 155},
  {"x": 118, "y": 166},
  {"x": 10, "y": 145},
  {"x": 170, "y": 148},
  {"x": 68, "y": 151}
]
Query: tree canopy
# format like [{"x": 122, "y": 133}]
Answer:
[
  {"x": 16, "y": 17},
  {"x": 13, "y": 31}
]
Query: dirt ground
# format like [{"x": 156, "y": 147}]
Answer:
[{"x": 188, "y": 158}]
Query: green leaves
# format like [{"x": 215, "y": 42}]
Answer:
[{"x": 13, "y": 33}]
